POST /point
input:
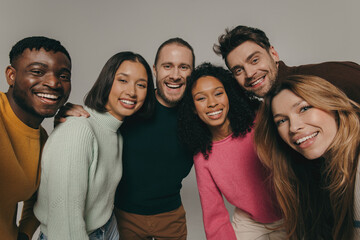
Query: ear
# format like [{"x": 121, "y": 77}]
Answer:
[
  {"x": 274, "y": 54},
  {"x": 154, "y": 70},
  {"x": 10, "y": 74}
]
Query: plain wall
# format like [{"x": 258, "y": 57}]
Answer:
[{"x": 92, "y": 31}]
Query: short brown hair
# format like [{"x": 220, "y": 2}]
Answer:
[{"x": 238, "y": 35}]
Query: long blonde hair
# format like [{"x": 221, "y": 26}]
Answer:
[{"x": 293, "y": 185}]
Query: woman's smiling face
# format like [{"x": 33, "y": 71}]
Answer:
[
  {"x": 306, "y": 129},
  {"x": 128, "y": 91},
  {"x": 211, "y": 102}
]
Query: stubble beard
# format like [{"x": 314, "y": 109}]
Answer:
[
  {"x": 272, "y": 76},
  {"x": 160, "y": 92}
]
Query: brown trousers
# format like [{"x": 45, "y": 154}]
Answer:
[{"x": 163, "y": 226}]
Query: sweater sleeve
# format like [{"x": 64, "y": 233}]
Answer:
[
  {"x": 67, "y": 155},
  {"x": 215, "y": 215},
  {"x": 28, "y": 223}
]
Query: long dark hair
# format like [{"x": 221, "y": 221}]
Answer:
[
  {"x": 98, "y": 96},
  {"x": 192, "y": 131}
]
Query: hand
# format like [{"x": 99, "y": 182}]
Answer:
[
  {"x": 70, "y": 109},
  {"x": 22, "y": 236}
]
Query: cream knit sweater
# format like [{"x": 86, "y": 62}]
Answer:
[{"x": 81, "y": 168}]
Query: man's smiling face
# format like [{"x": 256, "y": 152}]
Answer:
[
  {"x": 171, "y": 70},
  {"x": 40, "y": 81},
  {"x": 254, "y": 67}
]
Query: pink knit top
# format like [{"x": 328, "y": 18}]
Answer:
[{"x": 234, "y": 171}]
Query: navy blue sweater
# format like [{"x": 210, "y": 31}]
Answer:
[{"x": 154, "y": 164}]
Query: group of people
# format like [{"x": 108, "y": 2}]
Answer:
[{"x": 280, "y": 143}]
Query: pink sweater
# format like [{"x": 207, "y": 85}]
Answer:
[{"x": 234, "y": 171}]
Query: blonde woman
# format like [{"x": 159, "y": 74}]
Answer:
[{"x": 308, "y": 134}]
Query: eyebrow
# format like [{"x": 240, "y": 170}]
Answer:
[
  {"x": 247, "y": 59},
  {"x": 127, "y": 75},
  {"x": 46, "y": 66},
  {"x": 201, "y": 92},
  {"x": 37, "y": 63},
  {"x": 124, "y": 74},
  {"x": 180, "y": 64},
  {"x": 167, "y": 63},
  {"x": 66, "y": 70},
  {"x": 293, "y": 106}
]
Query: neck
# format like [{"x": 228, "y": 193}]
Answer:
[
  {"x": 220, "y": 133},
  {"x": 26, "y": 117}
]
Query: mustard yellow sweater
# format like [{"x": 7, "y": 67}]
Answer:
[{"x": 20, "y": 148}]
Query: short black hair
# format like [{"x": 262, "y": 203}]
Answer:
[
  {"x": 238, "y": 35},
  {"x": 98, "y": 96},
  {"x": 192, "y": 131},
  {"x": 178, "y": 41},
  {"x": 36, "y": 42}
]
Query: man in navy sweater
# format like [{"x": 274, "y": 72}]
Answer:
[{"x": 148, "y": 203}]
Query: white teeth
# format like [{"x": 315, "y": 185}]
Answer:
[
  {"x": 301, "y": 140},
  {"x": 45, "y": 95},
  {"x": 128, "y": 102},
  {"x": 214, "y": 113},
  {"x": 257, "y": 82},
  {"x": 173, "y": 85}
]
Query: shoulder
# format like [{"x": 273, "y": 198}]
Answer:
[
  {"x": 326, "y": 67},
  {"x": 73, "y": 127},
  {"x": 69, "y": 140}
]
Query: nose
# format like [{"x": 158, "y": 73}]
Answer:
[
  {"x": 131, "y": 90},
  {"x": 175, "y": 74},
  {"x": 250, "y": 71},
  {"x": 211, "y": 102},
  {"x": 52, "y": 81},
  {"x": 295, "y": 124}
]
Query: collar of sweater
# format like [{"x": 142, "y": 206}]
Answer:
[{"x": 105, "y": 119}]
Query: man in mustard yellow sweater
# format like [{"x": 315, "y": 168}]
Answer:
[{"x": 39, "y": 84}]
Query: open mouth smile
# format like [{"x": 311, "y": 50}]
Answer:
[
  {"x": 303, "y": 139},
  {"x": 48, "y": 96},
  {"x": 214, "y": 113},
  {"x": 127, "y": 102},
  {"x": 173, "y": 86},
  {"x": 260, "y": 80}
]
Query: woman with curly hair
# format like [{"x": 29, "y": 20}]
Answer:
[
  {"x": 308, "y": 134},
  {"x": 215, "y": 123}
]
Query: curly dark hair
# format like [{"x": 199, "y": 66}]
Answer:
[{"x": 192, "y": 131}]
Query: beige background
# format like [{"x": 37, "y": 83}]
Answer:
[{"x": 302, "y": 32}]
